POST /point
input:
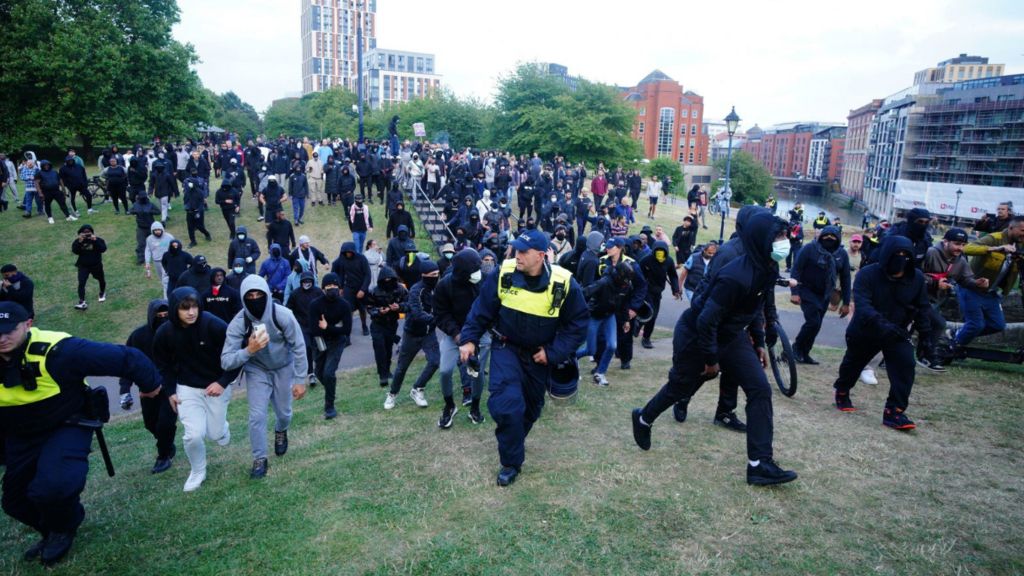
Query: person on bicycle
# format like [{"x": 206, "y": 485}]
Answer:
[
  {"x": 997, "y": 258},
  {"x": 945, "y": 271}
]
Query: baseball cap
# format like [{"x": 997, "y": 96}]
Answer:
[
  {"x": 11, "y": 314},
  {"x": 303, "y": 239},
  {"x": 955, "y": 235},
  {"x": 531, "y": 240},
  {"x": 617, "y": 242}
]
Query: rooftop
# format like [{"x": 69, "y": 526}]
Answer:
[{"x": 655, "y": 76}]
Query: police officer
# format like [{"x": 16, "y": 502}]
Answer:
[
  {"x": 43, "y": 400},
  {"x": 538, "y": 318},
  {"x": 888, "y": 295},
  {"x": 713, "y": 332}
]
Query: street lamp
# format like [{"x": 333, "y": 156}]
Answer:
[
  {"x": 732, "y": 121},
  {"x": 359, "y": 64},
  {"x": 956, "y": 207}
]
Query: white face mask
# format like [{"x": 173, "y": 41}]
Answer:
[
  {"x": 476, "y": 276},
  {"x": 780, "y": 249}
]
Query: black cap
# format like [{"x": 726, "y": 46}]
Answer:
[
  {"x": 11, "y": 314},
  {"x": 8, "y": 268},
  {"x": 955, "y": 235}
]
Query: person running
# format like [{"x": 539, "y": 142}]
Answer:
[
  {"x": 419, "y": 334},
  {"x": 385, "y": 303},
  {"x": 453, "y": 298},
  {"x": 331, "y": 319},
  {"x": 89, "y": 248},
  {"x": 817, "y": 268},
  {"x": 187, "y": 352},
  {"x": 265, "y": 341},
  {"x": 299, "y": 302},
  {"x": 353, "y": 270}
]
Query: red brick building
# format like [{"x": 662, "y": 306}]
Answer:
[
  {"x": 669, "y": 120},
  {"x": 784, "y": 150},
  {"x": 855, "y": 152}
]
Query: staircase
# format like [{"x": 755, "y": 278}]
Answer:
[{"x": 432, "y": 220}]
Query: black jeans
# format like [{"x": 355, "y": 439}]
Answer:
[
  {"x": 327, "y": 368},
  {"x": 655, "y": 303},
  {"x": 407, "y": 351},
  {"x": 49, "y": 197},
  {"x": 196, "y": 221},
  {"x": 899, "y": 364},
  {"x": 383, "y": 337},
  {"x": 161, "y": 421},
  {"x": 83, "y": 275},
  {"x": 229, "y": 219},
  {"x": 85, "y": 196},
  {"x": 739, "y": 359},
  {"x": 119, "y": 194},
  {"x": 814, "y": 313}
]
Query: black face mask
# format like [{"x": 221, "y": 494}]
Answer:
[
  {"x": 430, "y": 281},
  {"x": 174, "y": 248},
  {"x": 332, "y": 293},
  {"x": 158, "y": 321},
  {"x": 387, "y": 284},
  {"x": 829, "y": 244},
  {"x": 307, "y": 285},
  {"x": 897, "y": 263},
  {"x": 276, "y": 252},
  {"x": 560, "y": 236},
  {"x": 256, "y": 306},
  {"x": 917, "y": 230}
]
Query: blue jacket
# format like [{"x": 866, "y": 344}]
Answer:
[
  {"x": 276, "y": 270},
  {"x": 559, "y": 335}
]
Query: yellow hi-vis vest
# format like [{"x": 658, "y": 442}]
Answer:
[
  {"x": 40, "y": 342},
  {"x": 544, "y": 304}
]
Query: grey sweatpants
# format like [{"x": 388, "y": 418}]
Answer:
[
  {"x": 267, "y": 387},
  {"x": 450, "y": 361}
]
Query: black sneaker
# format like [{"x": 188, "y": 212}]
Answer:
[
  {"x": 646, "y": 343},
  {"x": 35, "y": 551},
  {"x": 330, "y": 413},
  {"x": 312, "y": 381},
  {"x": 679, "y": 410},
  {"x": 384, "y": 383},
  {"x": 445, "y": 421},
  {"x": 932, "y": 365},
  {"x": 259, "y": 468},
  {"x": 730, "y": 421},
  {"x": 641, "y": 431},
  {"x": 57, "y": 546},
  {"x": 161, "y": 465},
  {"x": 895, "y": 418},
  {"x": 843, "y": 402},
  {"x": 507, "y": 475},
  {"x": 280, "y": 443},
  {"x": 475, "y": 416},
  {"x": 625, "y": 366},
  {"x": 366, "y": 331},
  {"x": 767, "y": 473}
]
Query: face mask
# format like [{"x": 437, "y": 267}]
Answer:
[
  {"x": 659, "y": 256},
  {"x": 256, "y": 306},
  {"x": 276, "y": 252},
  {"x": 332, "y": 293},
  {"x": 829, "y": 244},
  {"x": 430, "y": 281},
  {"x": 896, "y": 264},
  {"x": 780, "y": 249},
  {"x": 487, "y": 267},
  {"x": 307, "y": 285},
  {"x": 349, "y": 255},
  {"x": 449, "y": 255},
  {"x": 174, "y": 248},
  {"x": 560, "y": 236},
  {"x": 158, "y": 321},
  {"x": 475, "y": 277},
  {"x": 238, "y": 269},
  {"x": 359, "y": 203},
  {"x": 241, "y": 236}
]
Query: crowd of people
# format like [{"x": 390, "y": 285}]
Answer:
[{"x": 514, "y": 301}]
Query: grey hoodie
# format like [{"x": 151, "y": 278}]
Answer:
[
  {"x": 155, "y": 247},
  {"x": 285, "y": 347}
]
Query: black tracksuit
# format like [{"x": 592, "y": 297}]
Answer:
[
  {"x": 157, "y": 415},
  {"x": 658, "y": 274},
  {"x": 384, "y": 324},
  {"x": 338, "y": 314},
  {"x": 190, "y": 355},
  {"x": 229, "y": 199},
  {"x": 355, "y": 277},
  {"x": 90, "y": 262}
]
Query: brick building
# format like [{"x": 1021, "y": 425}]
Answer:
[
  {"x": 856, "y": 149},
  {"x": 669, "y": 120}
]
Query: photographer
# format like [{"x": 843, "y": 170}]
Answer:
[
  {"x": 89, "y": 248},
  {"x": 997, "y": 222}
]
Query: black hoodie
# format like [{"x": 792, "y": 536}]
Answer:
[
  {"x": 142, "y": 337},
  {"x": 388, "y": 291},
  {"x": 657, "y": 273},
  {"x": 454, "y": 294},
  {"x": 190, "y": 355},
  {"x": 197, "y": 276},
  {"x": 222, "y": 301},
  {"x": 175, "y": 262},
  {"x": 354, "y": 272},
  {"x": 300, "y": 300},
  {"x": 884, "y": 306}
]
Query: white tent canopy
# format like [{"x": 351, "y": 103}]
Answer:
[{"x": 940, "y": 198}]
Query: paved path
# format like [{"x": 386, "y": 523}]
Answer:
[{"x": 360, "y": 353}]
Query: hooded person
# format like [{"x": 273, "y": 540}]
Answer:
[
  {"x": 48, "y": 184},
  {"x": 18, "y": 288},
  {"x": 175, "y": 263},
  {"x": 408, "y": 268},
  {"x": 418, "y": 334},
  {"x": 915, "y": 228},
  {"x": 229, "y": 198},
  {"x": 889, "y": 295},
  {"x": 265, "y": 341},
  {"x": 453, "y": 298},
  {"x": 354, "y": 273},
  {"x": 586, "y": 269},
  {"x": 197, "y": 275},
  {"x": 299, "y": 303},
  {"x": 244, "y": 247},
  {"x": 396, "y": 247},
  {"x": 658, "y": 269},
  {"x": 163, "y": 186},
  {"x": 400, "y": 217},
  {"x": 73, "y": 176},
  {"x": 385, "y": 304},
  {"x": 157, "y": 415},
  {"x": 157, "y": 244},
  {"x": 220, "y": 299},
  {"x": 236, "y": 275},
  {"x": 186, "y": 351},
  {"x": 724, "y": 327},
  {"x": 330, "y": 317},
  {"x": 275, "y": 271},
  {"x": 145, "y": 213},
  {"x": 817, "y": 268}
]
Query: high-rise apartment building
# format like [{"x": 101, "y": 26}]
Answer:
[
  {"x": 855, "y": 151},
  {"x": 391, "y": 76},
  {"x": 958, "y": 69}
]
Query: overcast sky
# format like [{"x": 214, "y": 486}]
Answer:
[{"x": 775, "y": 61}]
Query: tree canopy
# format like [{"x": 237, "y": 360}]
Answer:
[
  {"x": 234, "y": 115},
  {"x": 95, "y": 71},
  {"x": 662, "y": 167},
  {"x": 750, "y": 182}
]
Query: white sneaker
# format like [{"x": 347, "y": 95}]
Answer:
[
  {"x": 50, "y": 220},
  {"x": 600, "y": 379},
  {"x": 72, "y": 218},
  {"x": 867, "y": 376},
  {"x": 91, "y": 211},
  {"x": 103, "y": 297},
  {"x": 195, "y": 480},
  {"x": 417, "y": 396},
  {"x": 389, "y": 401},
  {"x": 81, "y": 306}
]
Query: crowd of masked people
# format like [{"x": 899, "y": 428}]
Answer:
[{"x": 560, "y": 271}]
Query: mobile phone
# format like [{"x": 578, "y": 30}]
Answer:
[{"x": 258, "y": 328}]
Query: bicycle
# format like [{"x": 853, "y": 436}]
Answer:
[
  {"x": 780, "y": 355},
  {"x": 97, "y": 188}
]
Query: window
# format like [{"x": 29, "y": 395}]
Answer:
[
  {"x": 693, "y": 129},
  {"x": 682, "y": 130},
  {"x": 666, "y": 122},
  {"x": 643, "y": 111},
  {"x": 691, "y": 158},
  {"x": 641, "y": 130},
  {"x": 693, "y": 142},
  {"x": 685, "y": 113}
]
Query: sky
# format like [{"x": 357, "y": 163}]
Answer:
[{"x": 782, "y": 61}]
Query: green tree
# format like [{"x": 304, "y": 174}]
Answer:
[
  {"x": 95, "y": 71},
  {"x": 235, "y": 115},
  {"x": 288, "y": 116},
  {"x": 750, "y": 182},
  {"x": 460, "y": 122},
  {"x": 661, "y": 167}
]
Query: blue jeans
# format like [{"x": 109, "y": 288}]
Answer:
[
  {"x": 26, "y": 203},
  {"x": 604, "y": 327},
  {"x": 360, "y": 239},
  {"x": 983, "y": 314},
  {"x": 298, "y": 209}
]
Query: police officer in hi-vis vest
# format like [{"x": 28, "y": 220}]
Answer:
[
  {"x": 43, "y": 405},
  {"x": 537, "y": 318}
]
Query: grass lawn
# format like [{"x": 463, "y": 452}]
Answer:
[{"x": 379, "y": 492}]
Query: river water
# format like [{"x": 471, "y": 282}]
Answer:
[{"x": 815, "y": 204}]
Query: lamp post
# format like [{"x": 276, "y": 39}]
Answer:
[
  {"x": 732, "y": 121},
  {"x": 359, "y": 64},
  {"x": 956, "y": 207}
]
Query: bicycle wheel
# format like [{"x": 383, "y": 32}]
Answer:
[
  {"x": 783, "y": 363},
  {"x": 98, "y": 193}
]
